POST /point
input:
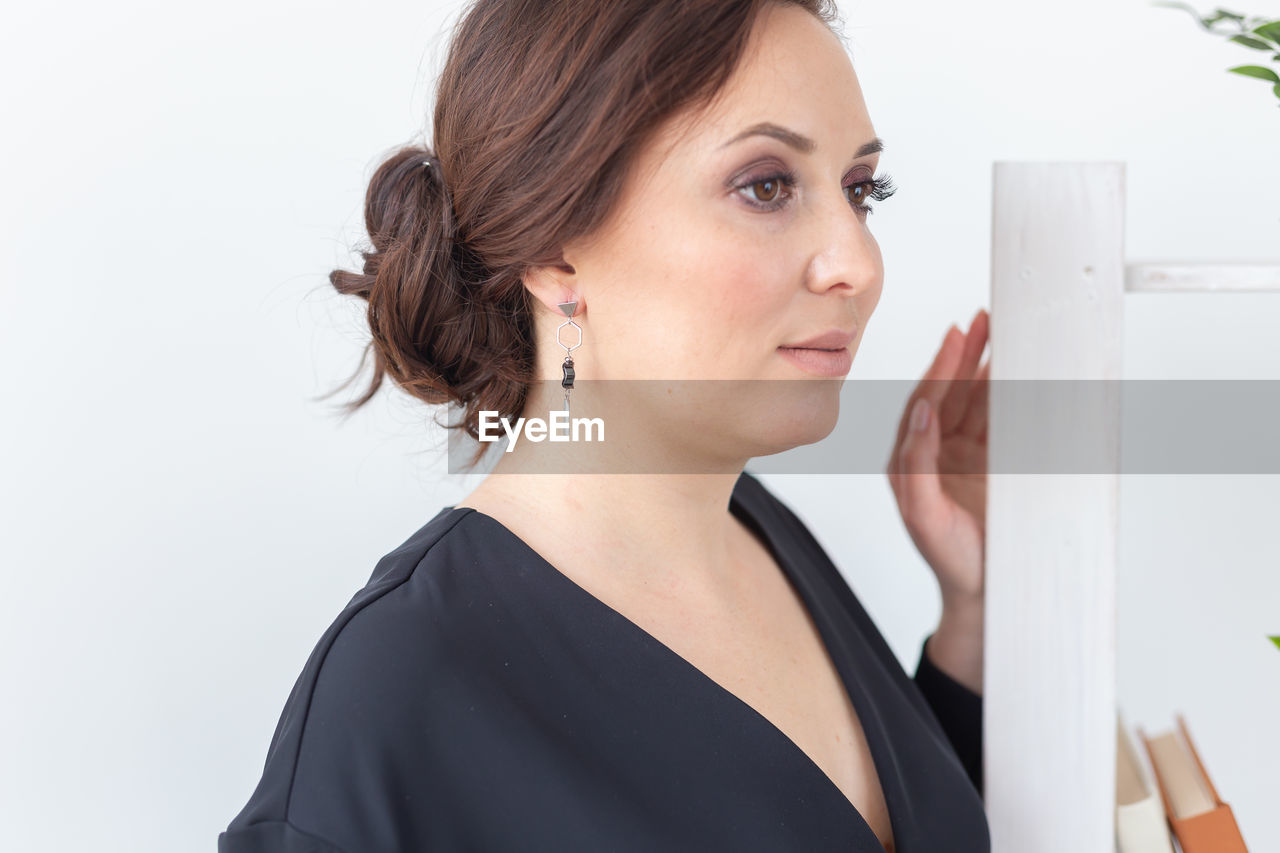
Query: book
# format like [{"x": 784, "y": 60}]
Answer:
[
  {"x": 1141, "y": 826},
  {"x": 1200, "y": 820}
]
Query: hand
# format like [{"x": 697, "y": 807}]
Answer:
[{"x": 939, "y": 476}]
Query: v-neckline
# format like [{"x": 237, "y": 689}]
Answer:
[{"x": 869, "y": 721}]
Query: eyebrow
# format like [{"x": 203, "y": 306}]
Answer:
[{"x": 799, "y": 141}]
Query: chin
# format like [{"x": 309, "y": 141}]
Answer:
[{"x": 792, "y": 414}]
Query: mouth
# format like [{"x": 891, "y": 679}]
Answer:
[
  {"x": 819, "y": 361},
  {"x": 832, "y": 339},
  {"x": 826, "y": 354}
]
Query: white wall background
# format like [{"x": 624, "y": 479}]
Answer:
[{"x": 181, "y": 522}]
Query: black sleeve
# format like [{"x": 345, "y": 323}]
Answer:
[{"x": 958, "y": 709}]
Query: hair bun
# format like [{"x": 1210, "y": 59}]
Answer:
[{"x": 430, "y": 333}]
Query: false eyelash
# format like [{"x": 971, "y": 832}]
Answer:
[{"x": 881, "y": 188}]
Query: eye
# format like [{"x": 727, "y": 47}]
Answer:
[
  {"x": 768, "y": 188},
  {"x": 880, "y": 189}
]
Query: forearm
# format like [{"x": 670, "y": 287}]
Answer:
[{"x": 956, "y": 645}]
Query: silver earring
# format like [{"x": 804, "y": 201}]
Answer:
[{"x": 568, "y": 309}]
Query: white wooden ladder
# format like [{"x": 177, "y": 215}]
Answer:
[{"x": 1058, "y": 280}]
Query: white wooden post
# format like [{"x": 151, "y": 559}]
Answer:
[{"x": 1057, "y": 288}]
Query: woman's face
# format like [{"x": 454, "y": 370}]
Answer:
[{"x": 714, "y": 264}]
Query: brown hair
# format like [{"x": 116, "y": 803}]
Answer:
[{"x": 540, "y": 109}]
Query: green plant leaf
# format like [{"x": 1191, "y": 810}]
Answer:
[
  {"x": 1276, "y": 89},
  {"x": 1256, "y": 71},
  {"x": 1256, "y": 44},
  {"x": 1221, "y": 14},
  {"x": 1208, "y": 21},
  {"x": 1194, "y": 13},
  {"x": 1269, "y": 31},
  {"x": 1276, "y": 640}
]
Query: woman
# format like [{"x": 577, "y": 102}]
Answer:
[{"x": 636, "y": 646}]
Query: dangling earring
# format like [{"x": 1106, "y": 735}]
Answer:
[{"x": 568, "y": 309}]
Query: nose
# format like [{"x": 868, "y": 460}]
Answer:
[{"x": 845, "y": 255}]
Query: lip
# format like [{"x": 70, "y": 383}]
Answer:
[
  {"x": 834, "y": 339},
  {"x": 820, "y": 362},
  {"x": 826, "y": 354}
]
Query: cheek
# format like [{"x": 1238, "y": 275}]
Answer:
[
  {"x": 876, "y": 260},
  {"x": 690, "y": 296},
  {"x": 731, "y": 295}
]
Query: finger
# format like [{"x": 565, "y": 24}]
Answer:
[
  {"x": 937, "y": 386},
  {"x": 939, "y": 369},
  {"x": 931, "y": 387},
  {"x": 891, "y": 472},
  {"x": 921, "y": 489},
  {"x": 974, "y": 422},
  {"x": 891, "y": 469},
  {"x": 894, "y": 467},
  {"x": 956, "y": 402}
]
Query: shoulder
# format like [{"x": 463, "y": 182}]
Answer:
[
  {"x": 376, "y": 672},
  {"x": 396, "y": 617}
]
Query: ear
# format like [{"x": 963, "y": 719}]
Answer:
[{"x": 552, "y": 285}]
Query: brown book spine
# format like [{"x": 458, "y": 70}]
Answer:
[{"x": 1214, "y": 831}]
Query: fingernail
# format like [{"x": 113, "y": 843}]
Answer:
[{"x": 920, "y": 415}]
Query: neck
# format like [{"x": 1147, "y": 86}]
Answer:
[
  {"x": 646, "y": 510},
  {"x": 665, "y": 533},
  {"x": 660, "y": 531}
]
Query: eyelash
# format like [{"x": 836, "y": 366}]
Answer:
[{"x": 881, "y": 188}]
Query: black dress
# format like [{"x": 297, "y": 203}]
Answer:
[{"x": 471, "y": 697}]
